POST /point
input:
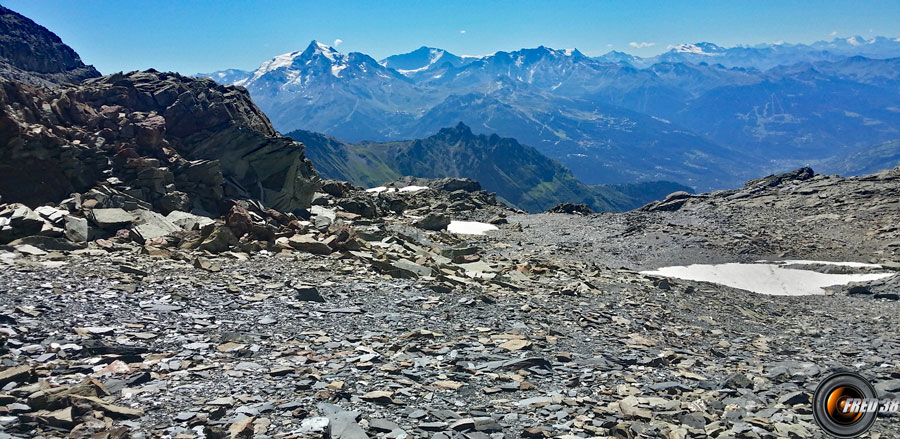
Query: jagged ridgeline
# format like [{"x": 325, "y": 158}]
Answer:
[{"x": 519, "y": 174}]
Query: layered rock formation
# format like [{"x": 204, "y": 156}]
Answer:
[
  {"x": 162, "y": 139},
  {"x": 171, "y": 141}
]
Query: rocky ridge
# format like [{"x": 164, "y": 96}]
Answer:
[
  {"x": 30, "y": 53},
  {"x": 173, "y": 142}
]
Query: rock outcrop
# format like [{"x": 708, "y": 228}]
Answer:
[
  {"x": 30, "y": 53},
  {"x": 171, "y": 141},
  {"x": 571, "y": 209}
]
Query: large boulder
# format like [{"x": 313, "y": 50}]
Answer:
[
  {"x": 217, "y": 239},
  {"x": 433, "y": 221},
  {"x": 309, "y": 244},
  {"x": 188, "y": 221},
  {"x": 149, "y": 225},
  {"x": 113, "y": 218},
  {"x": 18, "y": 220}
]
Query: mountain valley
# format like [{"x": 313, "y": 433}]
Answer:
[
  {"x": 518, "y": 174},
  {"x": 685, "y": 116}
]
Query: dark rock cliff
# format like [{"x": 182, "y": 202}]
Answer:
[{"x": 30, "y": 53}]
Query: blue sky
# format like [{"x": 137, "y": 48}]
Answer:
[{"x": 201, "y": 36}]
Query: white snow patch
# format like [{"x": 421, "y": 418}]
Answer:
[
  {"x": 336, "y": 69},
  {"x": 771, "y": 279},
  {"x": 406, "y": 189},
  {"x": 434, "y": 55},
  {"x": 690, "y": 48},
  {"x": 470, "y": 227},
  {"x": 405, "y": 72},
  {"x": 326, "y": 50},
  {"x": 280, "y": 61}
]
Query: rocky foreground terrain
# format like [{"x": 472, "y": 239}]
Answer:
[
  {"x": 170, "y": 266},
  {"x": 542, "y": 328}
]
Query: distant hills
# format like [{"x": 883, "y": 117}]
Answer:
[
  {"x": 702, "y": 115},
  {"x": 867, "y": 161},
  {"x": 519, "y": 174}
]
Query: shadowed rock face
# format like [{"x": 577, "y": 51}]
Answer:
[
  {"x": 31, "y": 53},
  {"x": 162, "y": 136}
]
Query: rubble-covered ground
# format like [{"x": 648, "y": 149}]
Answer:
[{"x": 543, "y": 328}]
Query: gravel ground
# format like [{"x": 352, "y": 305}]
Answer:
[{"x": 575, "y": 347}]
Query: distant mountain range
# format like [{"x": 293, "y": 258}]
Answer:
[
  {"x": 766, "y": 56},
  {"x": 701, "y": 115},
  {"x": 519, "y": 174}
]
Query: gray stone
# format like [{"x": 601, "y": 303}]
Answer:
[
  {"x": 77, "y": 229},
  {"x": 433, "y": 221},
  {"x": 342, "y": 423},
  {"x": 383, "y": 425},
  {"x": 308, "y": 244},
  {"x": 402, "y": 268},
  {"x": 220, "y": 239},
  {"x": 323, "y": 213},
  {"x": 308, "y": 293},
  {"x": 188, "y": 221},
  {"x": 113, "y": 218},
  {"x": 149, "y": 225},
  {"x": 51, "y": 214}
]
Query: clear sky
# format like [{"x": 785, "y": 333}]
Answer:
[{"x": 191, "y": 36}]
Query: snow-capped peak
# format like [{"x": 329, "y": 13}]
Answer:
[
  {"x": 278, "y": 62},
  {"x": 434, "y": 55},
  {"x": 708, "y": 49},
  {"x": 317, "y": 48},
  {"x": 295, "y": 60}
]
